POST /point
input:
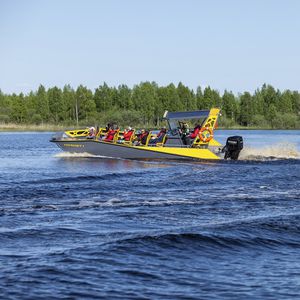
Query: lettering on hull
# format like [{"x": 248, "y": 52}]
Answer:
[{"x": 74, "y": 145}]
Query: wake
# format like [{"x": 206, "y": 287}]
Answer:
[
  {"x": 276, "y": 151},
  {"x": 74, "y": 155}
]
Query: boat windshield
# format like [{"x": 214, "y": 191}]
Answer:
[{"x": 177, "y": 119}]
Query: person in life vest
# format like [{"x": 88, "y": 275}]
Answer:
[
  {"x": 160, "y": 136},
  {"x": 128, "y": 132},
  {"x": 107, "y": 127},
  {"x": 110, "y": 135},
  {"x": 142, "y": 137},
  {"x": 188, "y": 139},
  {"x": 127, "y": 135},
  {"x": 105, "y": 131}
]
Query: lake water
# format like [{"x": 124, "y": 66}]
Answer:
[{"x": 85, "y": 227}]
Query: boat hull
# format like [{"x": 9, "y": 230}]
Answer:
[{"x": 114, "y": 150}]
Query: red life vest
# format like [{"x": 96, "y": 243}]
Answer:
[
  {"x": 110, "y": 135},
  {"x": 161, "y": 133},
  {"x": 195, "y": 132},
  {"x": 127, "y": 135}
]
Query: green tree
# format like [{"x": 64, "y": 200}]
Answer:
[
  {"x": 144, "y": 98},
  {"x": 285, "y": 103},
  {"x": 168, "y": 99},
  {"x": 296, "y": 102},
  {"x": 258, "y": 103},
  {"x": 31, "y": 106},
  {"x": 146, "y": 102},
  {"x": 211, "y": 98},
  {"x": 270, "y": 96},
  {"x": 70, "y": 103},
  {"x": 229, "y": 105},
  {"x": 86, "y": 104},
  {"x": 124, "y": 97},
  {"x": 42, "y": 103},
  {"x": 199, "y": 98},
  {"x": 187, "y": 97},
  {"x": 18, "y": 110},
  {"x": 103, "y": 98},
  {"x": 246, "y": 109},
  {"x": 272, "y": 115},
  {"x": 56, "y": 104},
  {"x": 5, "y": 107}
]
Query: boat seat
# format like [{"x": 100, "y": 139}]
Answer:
[
  {"x": 162, "y": 142},
  {"x": 148, "y": 138}
]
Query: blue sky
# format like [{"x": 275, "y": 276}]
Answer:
[{"x": 234, "y": 45}]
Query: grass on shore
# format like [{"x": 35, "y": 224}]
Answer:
[{"x": 31, "y": 127}]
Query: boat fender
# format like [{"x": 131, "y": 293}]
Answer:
[{"x": 206, "y": 134}]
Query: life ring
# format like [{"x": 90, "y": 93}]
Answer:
[{"x": 206, "y": 134}]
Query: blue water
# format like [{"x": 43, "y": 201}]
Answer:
[{"x": 86, "y": 228}]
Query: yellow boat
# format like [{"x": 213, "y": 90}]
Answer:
[{"x": 176, "y": 143}]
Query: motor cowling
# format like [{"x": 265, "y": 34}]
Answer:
[{"x": 233, "y": 147}]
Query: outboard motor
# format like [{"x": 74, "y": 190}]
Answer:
[{"x": 233, "y": 147}]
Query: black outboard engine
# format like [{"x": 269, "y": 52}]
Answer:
[{"x": 233, "y": 147}]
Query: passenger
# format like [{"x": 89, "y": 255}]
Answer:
[
  {"x": 107, "y": 128},
  {"x": 160, "y": 136},
  {"x": 92, "y": 132},
  {"x": 195, "y": 131},
  {"x": 185, "y": 131},
  {"x": 142, "y": 137},
  {"x": 128, "y": 132},
  {"x": 188, "y": 139},
  {"x": 110, "y": 135},
  {"x": 105, "y": 131}
]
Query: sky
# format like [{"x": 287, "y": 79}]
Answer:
[{"x": 235, "y": 44}]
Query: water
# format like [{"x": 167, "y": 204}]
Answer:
[{"x": 85, "y": 227}]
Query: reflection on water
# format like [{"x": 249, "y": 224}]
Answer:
[{"x": 79, "y": 160}]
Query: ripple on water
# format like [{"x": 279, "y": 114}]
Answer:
[{"x": 86, "y": 227}]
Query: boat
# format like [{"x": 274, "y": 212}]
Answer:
[{"x": 177, "y": 143}]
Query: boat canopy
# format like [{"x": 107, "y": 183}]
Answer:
[
  {"x": 174, "y": 119},
  {"x": 186, "y": 115}
]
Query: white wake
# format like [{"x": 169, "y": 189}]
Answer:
[
  {"x": 276, "y": 151},
  {"x": 74, "y": 155}
]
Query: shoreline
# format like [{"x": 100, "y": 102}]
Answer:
[
  {"x": 31, "y": 127},
  {"x": 10, "y": 127}
]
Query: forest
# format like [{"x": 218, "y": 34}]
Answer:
[{"x": 144, "y": 104}]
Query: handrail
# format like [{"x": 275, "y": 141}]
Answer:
[
  {"x": 116, "y": 135},
  {"x": 148, "y": 138}
]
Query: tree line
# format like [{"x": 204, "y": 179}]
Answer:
[{"x": 145, "y": 103}]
